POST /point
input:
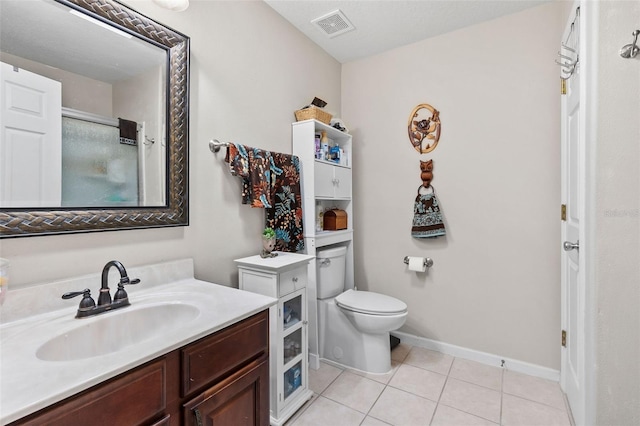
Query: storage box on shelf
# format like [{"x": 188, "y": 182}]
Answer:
[
  {"x": 335, "y": 220},
  {"x": 313, "y": 112}
]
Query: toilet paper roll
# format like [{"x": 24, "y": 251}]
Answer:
[{"x": 417, "y": 264}]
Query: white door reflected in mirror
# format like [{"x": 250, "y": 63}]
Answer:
[{"x": 30, "y": 139}]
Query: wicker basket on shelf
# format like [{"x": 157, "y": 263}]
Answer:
[{"x": 313, "y": 112}]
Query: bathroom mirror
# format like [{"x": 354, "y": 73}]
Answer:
[{"x": 120, "y": 86}]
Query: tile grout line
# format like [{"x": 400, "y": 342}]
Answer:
[
  {"x": 446, "y": 380},
  {"x": 383, "y": 389},
  {"x": 313, "y": 400}
]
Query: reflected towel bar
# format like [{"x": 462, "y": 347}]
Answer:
[{"x": 215, "y": 145}]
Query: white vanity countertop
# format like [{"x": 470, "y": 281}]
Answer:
[{"x": 28, "y": 384}]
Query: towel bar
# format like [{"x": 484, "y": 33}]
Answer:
[{"x": 215, "y": 145}]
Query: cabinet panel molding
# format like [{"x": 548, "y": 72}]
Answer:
[{"x": 130, "y": 399}]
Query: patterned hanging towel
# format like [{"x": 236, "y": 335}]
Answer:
[
  {"x": 427, "y": 218},
  {"x": 285, "y": 216},
  {"x": 254, "y": 166}
]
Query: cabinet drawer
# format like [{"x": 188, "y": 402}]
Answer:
[
  {"x": 293, "y": 280},
  {"x": 259, "y": 282},
  {"x": 213, "y": 358},
  {"x": 126, "y": 400}
]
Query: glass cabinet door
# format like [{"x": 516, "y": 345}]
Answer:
[
  {"x": 292, "y": 311},
  {"x": 294, "y": 341},
  {"x": 292, "y": 345}
]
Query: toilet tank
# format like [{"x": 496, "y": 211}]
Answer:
[{"x": 330, "y": 264}]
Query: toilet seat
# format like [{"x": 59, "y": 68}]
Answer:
[{"x": 371, "y": 303}]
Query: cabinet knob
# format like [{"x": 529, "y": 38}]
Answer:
[{"x": 294, "y": 279}]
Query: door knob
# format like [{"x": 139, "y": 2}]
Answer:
[{"x": 568, "y": 246}]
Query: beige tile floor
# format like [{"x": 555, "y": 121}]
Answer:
[{"x": 430, "y": 388}]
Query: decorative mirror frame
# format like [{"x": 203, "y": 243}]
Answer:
[{"x": 17, "y": 222}]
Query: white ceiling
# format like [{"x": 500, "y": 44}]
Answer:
[{"x": 382, "y": 25}]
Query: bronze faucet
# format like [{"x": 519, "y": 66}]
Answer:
[{"x": 105, "y": 303}]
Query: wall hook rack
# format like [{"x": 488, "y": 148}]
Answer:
[
  {"x": 569, "y": 57},
  {"x": 629, "y": 51}
]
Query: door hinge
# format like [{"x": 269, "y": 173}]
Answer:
[
  {"x": 563, "y": 86},
  {"x": 564, "y": 339},
  {"x": 563, "y": 212}
]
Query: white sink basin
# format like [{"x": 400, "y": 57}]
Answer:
[{"x": 112, "y": 331}]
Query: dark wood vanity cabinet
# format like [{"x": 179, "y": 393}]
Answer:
[
  {"x": 242, "y": 399},
  {"x": 221, "y": 379}
]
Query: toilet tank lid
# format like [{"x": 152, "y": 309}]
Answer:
[
  {"x": 331, "y": 252},
  {"x": 370, "y": 302}
]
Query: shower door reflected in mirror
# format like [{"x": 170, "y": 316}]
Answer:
[{"x": 101, "y": 173}]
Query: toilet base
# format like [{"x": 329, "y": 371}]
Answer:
[{"x": 341, "y": 343}]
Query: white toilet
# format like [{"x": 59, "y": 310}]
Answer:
[{"x": 353, "y": 326}]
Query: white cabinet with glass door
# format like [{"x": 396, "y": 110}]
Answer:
[{"x": 283, "y": 277}]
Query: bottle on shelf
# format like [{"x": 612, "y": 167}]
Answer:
[
  {"x": 318, "y": 154},
  {"x": 319, "y": 217},
  {"x": 335, "y": 153},
  {"x": 324, "y": 144}
]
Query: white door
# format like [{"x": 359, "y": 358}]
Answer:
[
  {"x": 30, "y": 139},
  {"x": 572, "y": 263}
]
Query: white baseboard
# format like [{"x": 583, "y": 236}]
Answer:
[{"x": 482, "y": 357}]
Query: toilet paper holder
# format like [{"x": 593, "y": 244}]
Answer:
[{"x": 428, "y": 262}]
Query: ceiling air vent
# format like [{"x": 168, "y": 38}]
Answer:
[{"x": 334, "y": 24}]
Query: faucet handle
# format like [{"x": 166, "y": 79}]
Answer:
[
  {"x": 121, "y": 293},
  {"x": 87, "y": 300}
]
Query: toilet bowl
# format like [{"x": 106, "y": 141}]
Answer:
[
  {"x": 372, "y": 312},
  {"x": 353, "y": 326}
]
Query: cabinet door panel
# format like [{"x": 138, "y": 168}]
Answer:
[
  {"x": 323, "y": 183},
  {"x": 240, "y": 400},
  {"x": 342, "y": 182}
]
